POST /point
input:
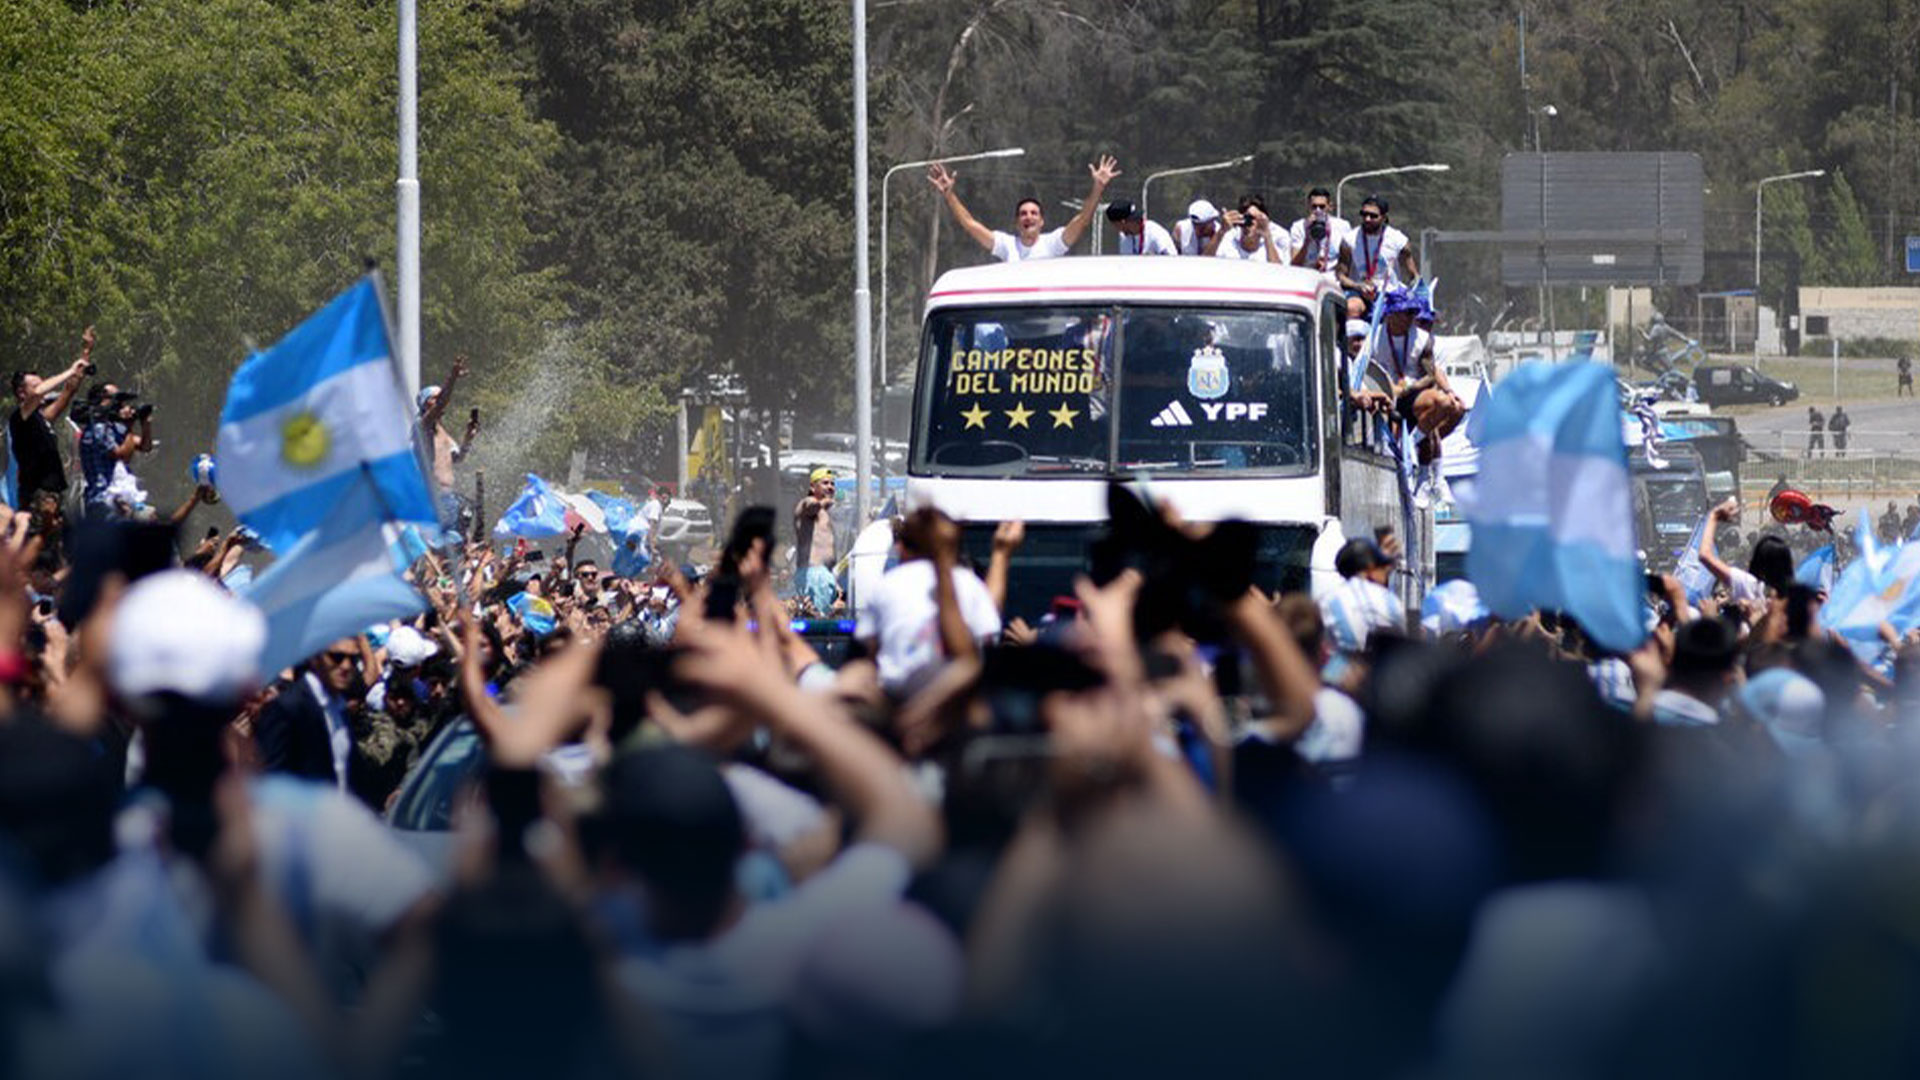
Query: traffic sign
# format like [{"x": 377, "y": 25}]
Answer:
[{"x": 1913, "y": 254}]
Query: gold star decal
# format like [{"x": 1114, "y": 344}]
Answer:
[
  {"x": 1063, "y": 416},
  {"x": 1018, "y": 415},
  {"x": 975, "y": 417}
]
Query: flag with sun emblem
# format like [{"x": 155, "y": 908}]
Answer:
[{"x": 317, "y": 455}]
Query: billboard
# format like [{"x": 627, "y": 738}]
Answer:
[{"x": 1602, "y": 219}]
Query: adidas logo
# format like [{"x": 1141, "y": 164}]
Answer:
[{"x": 1174, "y": 415}]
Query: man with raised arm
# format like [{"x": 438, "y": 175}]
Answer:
[
  {"x": 40, "y": 401},
  {"x": 1029, "y": 240}
]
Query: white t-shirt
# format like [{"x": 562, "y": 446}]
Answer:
[
  {"x": 1338, "y": 729},
  {"x": 1187, "y": 239},
  {"x": 1338, "y": 230},
  {"x": 1376, "y": 258},
  {"x": 1230, "y": 246},
  {"x": 1049, "y": 245},
  {"x": 906, "y": 620},
  {"x": 1153, "y": 236},
  {"x": 1400, "y": 357}
]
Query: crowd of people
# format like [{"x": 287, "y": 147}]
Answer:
[
  {"x": 1167, "y": 824},
  {"x": 1365, "y": 260},
  {"x": 1176, "y": 823}
]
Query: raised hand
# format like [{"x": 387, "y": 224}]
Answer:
[
  {"x": 460, "y": 370},
  {"x": 1104, "y": 172},
  {"x": 940, "y": 177}
]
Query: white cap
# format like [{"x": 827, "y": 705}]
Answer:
[
  {"x": 1203, "y": 211},
  {"x": 409, "y": 647},
  {"x": 1358, "y": 328},
  {"x": 179, "y": 632}
]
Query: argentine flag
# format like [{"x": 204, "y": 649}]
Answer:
[
  {"x": 1552, "y": 514},
  {"x": 318, "y": 457}
]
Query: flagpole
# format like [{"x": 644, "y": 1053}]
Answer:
[{"x": 415, "y": 434}]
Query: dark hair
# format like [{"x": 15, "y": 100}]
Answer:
[
  {"x": 1319, "y": 193},
  {"x": 1357, "y": 556},
  {"x": 1772, "y": 563},
  {"x": 1703, "y": 652},
  {"x": 19, "y": 380},
  {"x": 1034, "y": 199},
  {"x": 670, "y": 819},
  {"x": 1378, "y": 202},
  {"x": 1252, "y": 200}
]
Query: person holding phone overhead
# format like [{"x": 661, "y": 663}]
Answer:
[
  {"x": 813, "y": 546},
  {"x": 447, "y": 452}
]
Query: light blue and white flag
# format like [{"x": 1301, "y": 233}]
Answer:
[
  {"x": 1871, "y": 590},
  {"x": 1693, "y": 574},
  {"x": 618, "y": 512},
  {"x": 317, "y": 441},
  {"x": 538, "y": 514},
  {"x": 1816, "y": 570},
  {"x": 1552, "y": 515},
  {"x": 317, "y": 414}
]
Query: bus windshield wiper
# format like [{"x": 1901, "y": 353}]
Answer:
[{"x": 1065, "y": 463}]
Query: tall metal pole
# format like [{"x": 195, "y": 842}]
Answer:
[
  {"x": 886, "y": 179},
  {"x": 862, "y": 295},
  {"x": 407, "y": 249}
]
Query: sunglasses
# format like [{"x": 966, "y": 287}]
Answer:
[
  {"x": 1364, "y": 216},
  {"x": 338, "y": 657}
]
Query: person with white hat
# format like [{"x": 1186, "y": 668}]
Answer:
[
  {"x": 1199, "y": 232},
  {"x": 432, "y": 403}
]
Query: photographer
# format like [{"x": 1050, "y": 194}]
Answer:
[
  {"x": 30, "y": 441},
  {"x": 1317, "y": 236},
  {"x": 108, "y": 442}
]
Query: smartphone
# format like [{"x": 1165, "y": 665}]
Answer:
[
  {"x": 473, "y": 415},
  {"x": 131, "y": 549},
  {"x": 213, "y": 533},
  {"x": 723, "y": 596},
  {"x": 628, "y": 669},
  {"x": 754, "y": 523}
]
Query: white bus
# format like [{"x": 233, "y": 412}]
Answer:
[{"x": 1217, "y": 383}]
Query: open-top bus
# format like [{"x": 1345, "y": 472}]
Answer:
[{"x": 1214, "y": 383}]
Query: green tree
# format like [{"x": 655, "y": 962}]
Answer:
[
  {"x": 1848, "y": 255},
  {"x": 214, "y": 170},
  {"x": 703, "y": 224}
]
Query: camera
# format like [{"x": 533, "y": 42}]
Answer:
[
  {"x": 144, "y": 412},
  {"x": 1317, "y": 228}
]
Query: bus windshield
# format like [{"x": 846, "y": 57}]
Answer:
[{"x": 1037, "y": 391}]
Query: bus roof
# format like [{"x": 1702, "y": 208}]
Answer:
[{"x": 1082, "y": 279}]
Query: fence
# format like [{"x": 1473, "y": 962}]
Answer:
[{"x": 1877, "y": 466}]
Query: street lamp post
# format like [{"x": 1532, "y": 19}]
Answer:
[
  {"x": 407, "y": 191},
  {"x": 1380, "y": 172},
  {"x": 1758, "y": 206},
  {"x": 887, "y": 179},
  {"x": 1148, "y": 182},
  {"x": 862, "y": 294}
]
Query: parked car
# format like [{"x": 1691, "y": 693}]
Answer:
[
  {"x": 684, "y": 521},
  {"x": 1738, "y": 384}
]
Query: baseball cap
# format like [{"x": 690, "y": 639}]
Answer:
[
  {"x": 1789, "y": 706},
  {"x": 1203, "y": 211},
  {"x": 1124, "y": 210},
  {"x": 408, "y": 647},
  {"x": 1358, "y": 328},
  {"x": 819, "y": 474},
  {"x": 178, "y": 632},
  {"x": 427, "y": 393},
  {"x": 1398, "y": 300}
]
